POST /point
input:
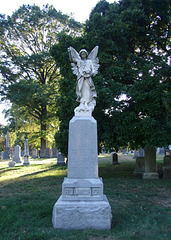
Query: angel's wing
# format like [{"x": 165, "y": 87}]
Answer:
[
  {"x": 93, "y": 57},
  {"x": 73, "y": 57}
]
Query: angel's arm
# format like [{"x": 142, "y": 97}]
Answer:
[{"x": 73, "y": 55}]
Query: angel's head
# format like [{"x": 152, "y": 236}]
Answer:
[{"x": 83, "y": 53}]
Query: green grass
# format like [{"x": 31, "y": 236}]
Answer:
[{"x": 141, "y": 209}]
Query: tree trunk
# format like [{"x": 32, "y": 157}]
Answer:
[
  {"x": 43, "y": 127},
  {"x": 43, "y": 140}
]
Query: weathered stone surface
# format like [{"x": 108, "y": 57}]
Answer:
[
  {"x": 82, "y": 149},
  {"x": 34, "y": 153},
  {"x": 17, "y": 154},
  {"x": 152, "y": 175},
  {"x": 82, "y": 214},
  {"x": 11, "y": 164},
  {"x": 26, "y": 154},
  {"x": 82, "y": 189},
  {"x": 82, "y": 204},
  {"x": 140, "y": 166},
  {"x": 60, "y": 160}
]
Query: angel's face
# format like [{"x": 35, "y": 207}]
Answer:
[{"x": 83, "y": 55}]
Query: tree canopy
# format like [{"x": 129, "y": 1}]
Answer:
[
  {"x": 29, "y": 75},
  {"x": 133, "y": 86}
]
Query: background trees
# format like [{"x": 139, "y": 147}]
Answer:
[
  {"x": 133, "y": 82},
  {"x": 29, "y": 73}
]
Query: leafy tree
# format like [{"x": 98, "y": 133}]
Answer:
[
  {"x": 29, "y": 74},
  {"x": 133, "y": 87},
  {"x": 134, "y": 38}
]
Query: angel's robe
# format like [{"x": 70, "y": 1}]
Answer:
[{"x": 85, "y": 89}]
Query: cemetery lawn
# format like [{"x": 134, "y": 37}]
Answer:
[{"x": 141, "y": 209}]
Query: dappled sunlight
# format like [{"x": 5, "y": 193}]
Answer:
[{"x": 19, "y": 173}]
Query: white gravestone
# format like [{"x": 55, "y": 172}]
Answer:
[
  {"x": 82, "y": 204},
  {"x": 26, "y": 154},
  {"x": 17, "y": 154}
]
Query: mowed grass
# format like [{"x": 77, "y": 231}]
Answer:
[{"x": 141, "y": 209}]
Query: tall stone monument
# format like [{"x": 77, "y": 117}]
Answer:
[
  {"x": 26, "y": 154},
  {"x": 82, "y": 204},
  {"x": 6, "y": 154}
]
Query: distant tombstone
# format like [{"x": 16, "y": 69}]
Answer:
[
  {"x": 141, "y": 152},
  {"x": 42, "y": 153},
  {"x": 48, "y": 153},
  {"x": 34, "y": 153},
  {"x": 114, "y": 158},
  {"x": 140, "y": 166},
  {"x": 167, "y": 167},
  {"x": 11, "y": 164},
  {"x": 17, "y": 154},
  {"x": 6, "y": 154},
  {"x": 26, "y": 154},
  {"x": 54, "y": 153},
  {"x": 60, "y": 160},
  {"x": 162, "y": 150},
  {"x": 124, "y": 151},
  {"x": 136, "y": 154}
]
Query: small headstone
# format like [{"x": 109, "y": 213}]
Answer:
[
  {"x": 34, "y": 153},
  {"x": 26, "y": 154},
  {"x": 114, "y": 158},
  {"x": 167, "y": 167},
  {"x": 17, "y": 154},
  {"x": 140, "y": 166},
  {"x": 48, "y": 153},
  {"x": 54, "y": 153},
  {"x": 136, "y": 154},
  {"x": 60, "y": 160},
  {"x": 124, "y": 151},
  {"x": 11, "y": 164},
  {"x": 141, "y": 152},
  {"x": 42, "y": 153}
]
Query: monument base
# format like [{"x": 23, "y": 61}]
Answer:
[
  {"x": 70, "y": 215},
  {"x": 26, "y": 161},
  {"x": 151, "y": 175}
]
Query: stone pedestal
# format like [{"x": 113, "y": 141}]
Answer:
[
  {"x": 82, "y": 204},
  {"x": 6, "y": 154},
  {"x": 26, "y": 154}
]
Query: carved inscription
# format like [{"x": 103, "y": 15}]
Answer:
[
  {"x": 69, "y": 191},
  {"x": 83, "y": 192},
  {"x": 95, "y": 191}
]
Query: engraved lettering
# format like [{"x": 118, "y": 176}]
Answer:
[{"x": 95, "y": 191}]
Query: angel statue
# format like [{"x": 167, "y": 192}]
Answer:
[{"x": 84, "y": 66}]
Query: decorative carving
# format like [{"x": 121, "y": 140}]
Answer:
[{"x": 84, "y": 66}]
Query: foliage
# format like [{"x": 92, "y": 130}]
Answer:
[
  {"x": 133, "y": 38},
  {"x": 28, "y": 72}
]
